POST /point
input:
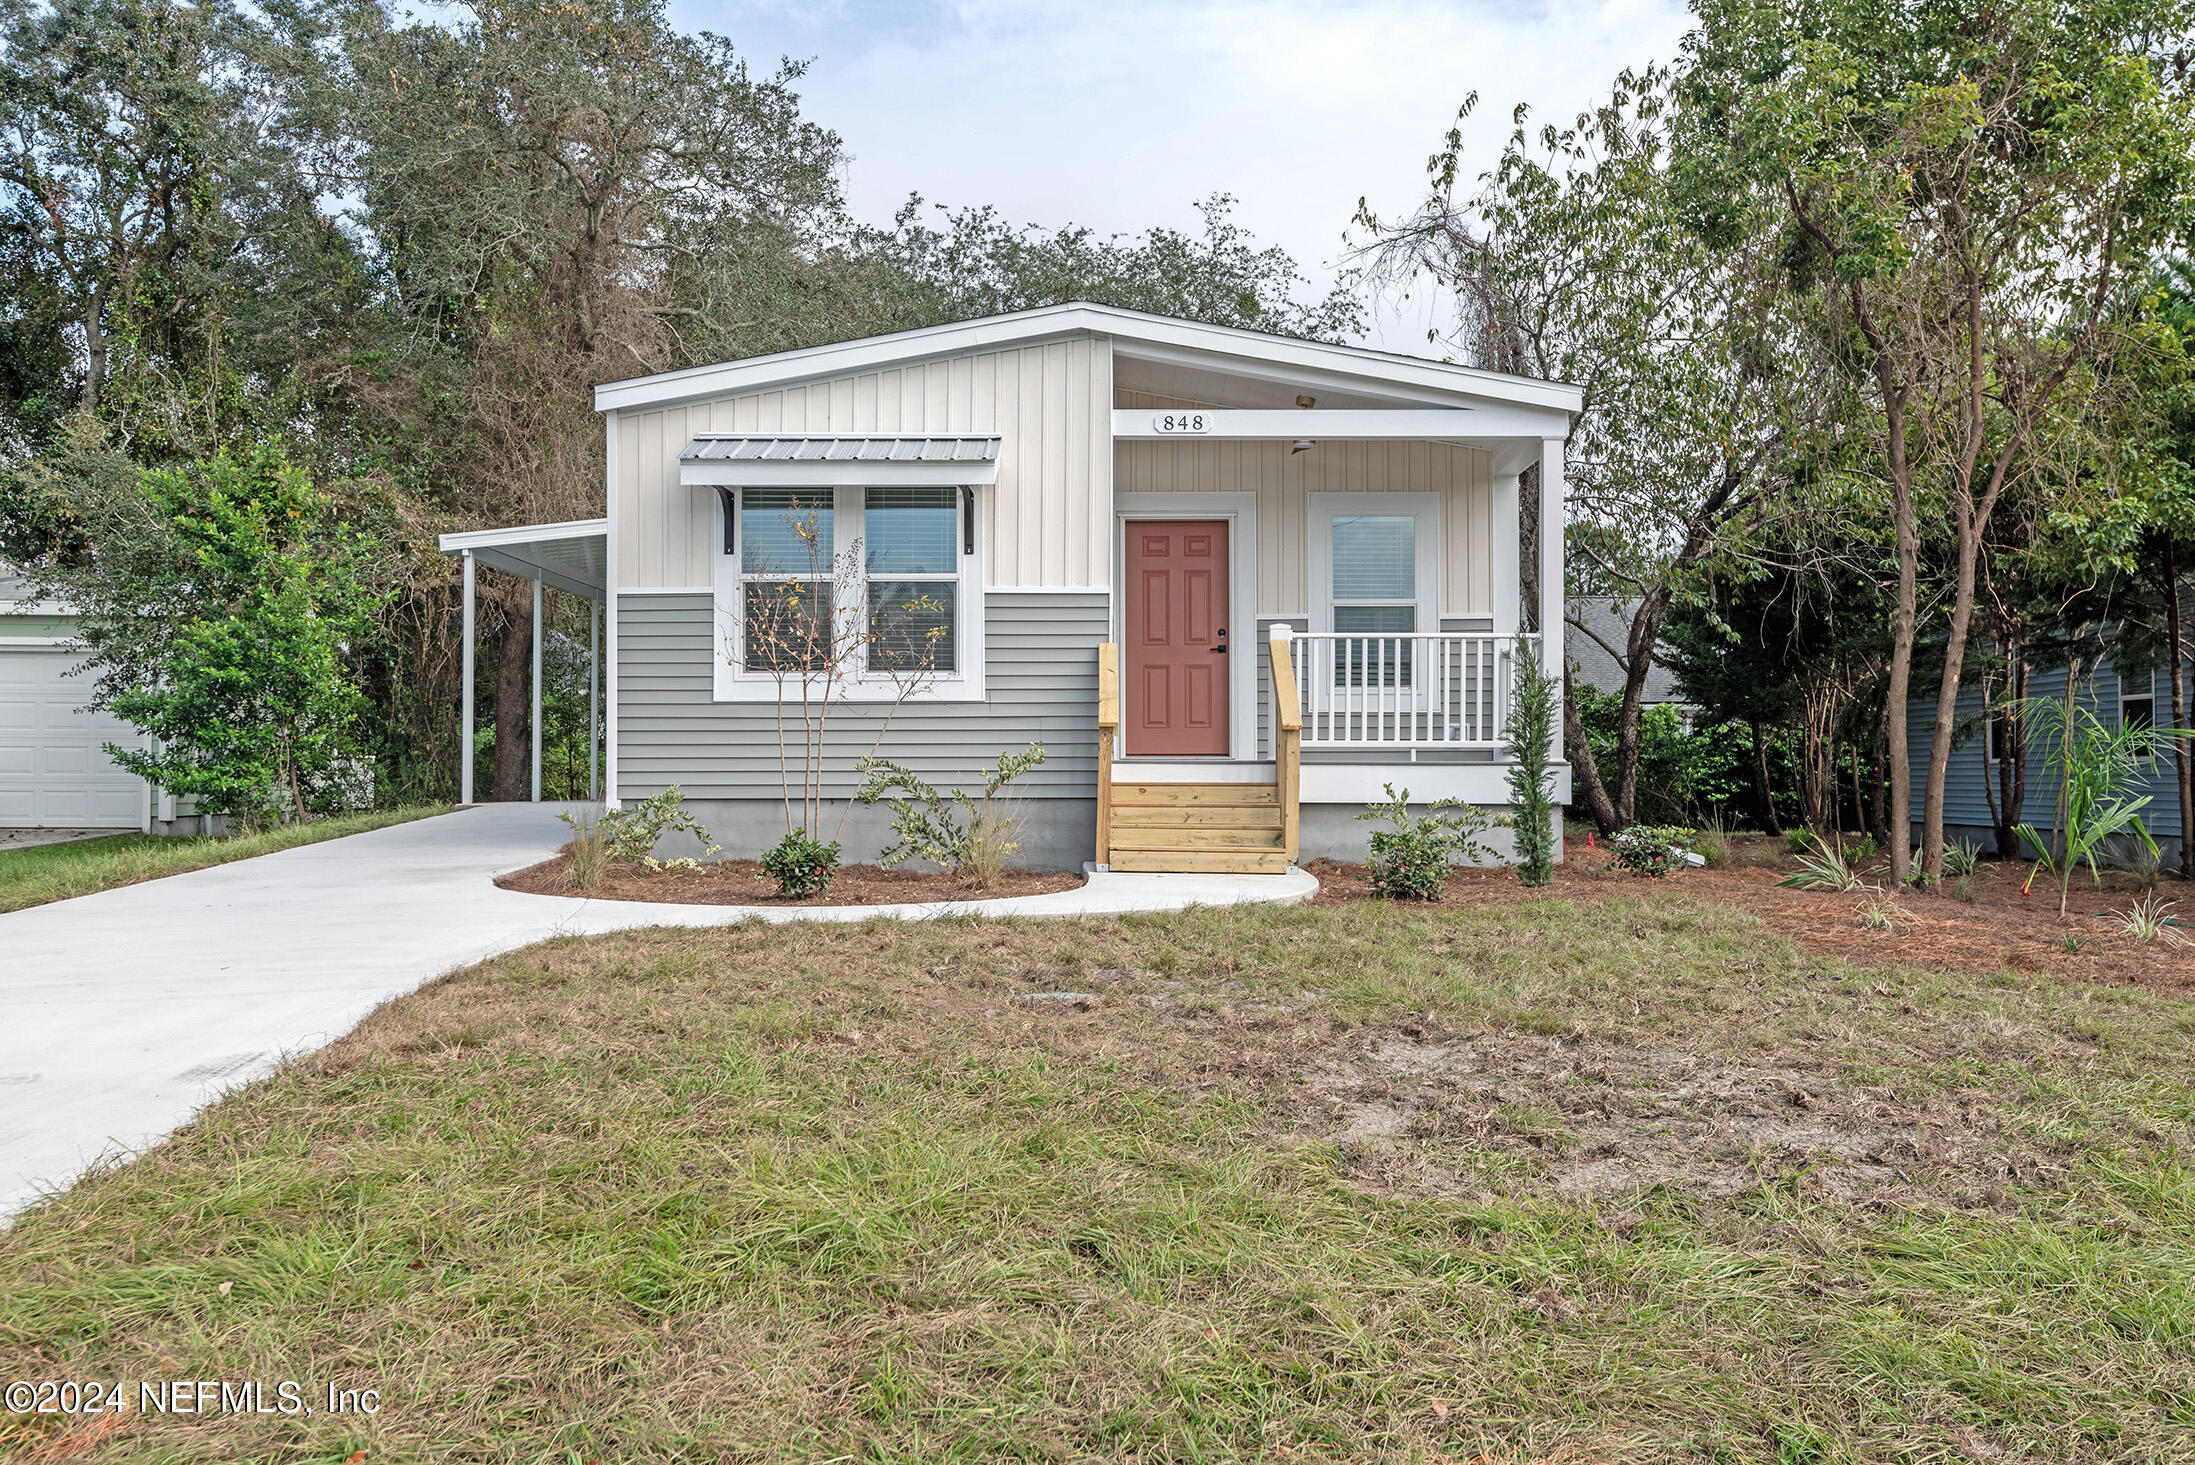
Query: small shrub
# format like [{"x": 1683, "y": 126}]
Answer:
[
  {"x": 970, "y": 838},
  {"x": 1712, "y": 843},
  {"x": 1798, "y": 841},
  {"x": 1881, "y": 914},
  {"x": 2151, "y": 919},
  {"x": 1652, "y": 850},
  {"x": 1961, "y": 859},
  {"x": 1410, "y": 861},
  {"x": 630, "y": 835},
  {"x": 1533, "y": 712},
  {"x": 1861, "y": 849},
  {"x": 1825, "y": 869},
  {"x": 801, "y": 866}
]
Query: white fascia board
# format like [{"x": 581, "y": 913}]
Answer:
[
  {"x": 1134, "y": 334},
  {"x": 523, "y": 534},
  {"x": 765, "y": 474}
]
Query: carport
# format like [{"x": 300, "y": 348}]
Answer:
[{"x": 572, "y": 557}]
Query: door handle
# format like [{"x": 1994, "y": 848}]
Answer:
[{"x": 1221, "y": 648}]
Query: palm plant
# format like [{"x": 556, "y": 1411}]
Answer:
[{"x": 2099, "y": 768}]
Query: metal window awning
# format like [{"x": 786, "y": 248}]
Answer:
[
  {"x": 781, "y": 460},
  {"x": 572, "y": 557}
]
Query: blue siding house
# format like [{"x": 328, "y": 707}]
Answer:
[{"x": 2116, "y": 696}]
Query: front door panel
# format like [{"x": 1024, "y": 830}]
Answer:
[{"x": 1176, "y": 676}]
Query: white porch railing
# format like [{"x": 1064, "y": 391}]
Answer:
[{"x": 1397, "y": 691}]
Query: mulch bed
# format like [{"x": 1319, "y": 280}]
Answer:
[
  {"x": 1996, "y": 928},
  {"x": 741, "y": 882}
]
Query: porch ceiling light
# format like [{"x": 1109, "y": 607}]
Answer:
[{"x": 1303, "y": 445}]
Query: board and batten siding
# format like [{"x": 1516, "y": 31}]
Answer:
[
  {"x": 1463, "y": 477},
  {"x": 1041, "y": 686},
  {"x": 1047, "y": 519},
  {"x": 1966, "y": 801}
]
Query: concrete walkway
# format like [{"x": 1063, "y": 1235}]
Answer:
[{"x": 122, "y": 1013}]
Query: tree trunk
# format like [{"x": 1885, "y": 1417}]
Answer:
[
  {"x": 2176, "y": 674},
  {"x": 1878, "y": 794},
  {"x": 1947, "y": 694},
  {"x": 1902, "y": 626},
  {"x": 95, "y": 349},
  {"x": 1585, "y": 774},
  {"x": 513, "y": 712},
  {"x": 1761, "y": 789}
]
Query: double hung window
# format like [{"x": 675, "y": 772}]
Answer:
[{"x": 871, "y": 585}]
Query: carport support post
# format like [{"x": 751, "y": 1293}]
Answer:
[
  {"x": 465, "y": 722},
  {"x": 536, "y": 720},
  {"x": 594, "y": 694}
]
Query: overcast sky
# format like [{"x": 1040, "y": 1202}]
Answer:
[{"x": 1121, "y": 114}]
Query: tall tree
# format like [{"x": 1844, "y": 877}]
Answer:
[
  {"x": 1575, "y": 258},
  {"x": 1966, "y": 192}
]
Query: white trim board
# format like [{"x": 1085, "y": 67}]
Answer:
[
  {"x": 1240, "y": 508},
  {"x": 1047, "y": 590},
  {"x": 632, "y": 590}
]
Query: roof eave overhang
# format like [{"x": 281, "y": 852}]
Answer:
[
  {"x": 763, "y": 473},
  {"x": 1135, "y": 336}
]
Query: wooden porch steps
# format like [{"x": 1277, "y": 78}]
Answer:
[
  {"x": 1199, "y": 828},
  {"x": 1220, "y": 828}
]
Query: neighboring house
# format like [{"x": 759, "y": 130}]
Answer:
[
  {"x": 1111, "y": 516},
  {"x": 1603, "y": 627},
  {"x": 55, "y": 772},
  {"x": 2117, "y": 699}
]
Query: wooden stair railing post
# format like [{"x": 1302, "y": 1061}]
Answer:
[
  {"x": 1287, "y": 742},
  {"x": 1108, "y": 724}
]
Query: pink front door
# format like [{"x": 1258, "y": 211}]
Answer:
[{"x": 1176, "y": 676}]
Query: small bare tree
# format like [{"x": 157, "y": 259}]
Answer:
[{"x": 812, "y": 627}]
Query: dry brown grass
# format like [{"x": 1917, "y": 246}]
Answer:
[{"x": 1609, "y": 1181}]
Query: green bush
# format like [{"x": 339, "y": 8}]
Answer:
[
  {"x": 1411, "y": 860},
  {"x": 1532, "y": 732},
  {"x": 967, "y": 837},
  {"x": 1685, "y": 773},
  {"x": 629, "y": 835},
  {"x": 1652, "y": 850},
  {"x": 801, "y": 866}
]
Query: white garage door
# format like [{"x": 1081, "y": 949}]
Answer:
[{"x": 54, "y": 768}]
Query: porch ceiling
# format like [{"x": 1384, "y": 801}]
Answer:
[{"x": 572, "y": 557}]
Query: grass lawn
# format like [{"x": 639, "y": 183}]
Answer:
[
  {"x": 1564, "y": 1180},
  {"x": 58, "y": 871}
]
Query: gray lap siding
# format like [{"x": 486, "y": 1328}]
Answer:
[{"x": 1040, "y": 677}]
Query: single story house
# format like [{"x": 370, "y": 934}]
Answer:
[
  {"x": 55, "y": 772},
  {"x": 1235, "y": 583},
  {"x": 2119, "y": 697}
]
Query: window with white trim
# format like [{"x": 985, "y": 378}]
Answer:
[
  {"x": 1373, "y": 582},
  {"x": 884, "y": 579},
  {"x": 2137, "y": 699}
]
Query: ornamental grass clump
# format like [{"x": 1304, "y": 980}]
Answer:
[{"x": 1825, "y": 869}]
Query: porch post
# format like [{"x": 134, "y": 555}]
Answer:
[
  {"x": 535, "y": 729},
  {"x": 1551, "y": 586},
  {"x": 594, "y": 694},
  {"x": 465, "y": 720},
  {"x": 1508, "y": 579}
]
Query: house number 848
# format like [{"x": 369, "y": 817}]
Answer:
[{"x": 1180, "y": 422}]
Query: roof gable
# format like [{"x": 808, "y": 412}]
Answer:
[{"x": 1135, "y": 334}]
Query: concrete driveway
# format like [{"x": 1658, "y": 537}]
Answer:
[{"x": 122, "y": 1013}]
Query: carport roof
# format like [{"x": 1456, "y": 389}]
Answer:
[{"x": 572, "y": 557}]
